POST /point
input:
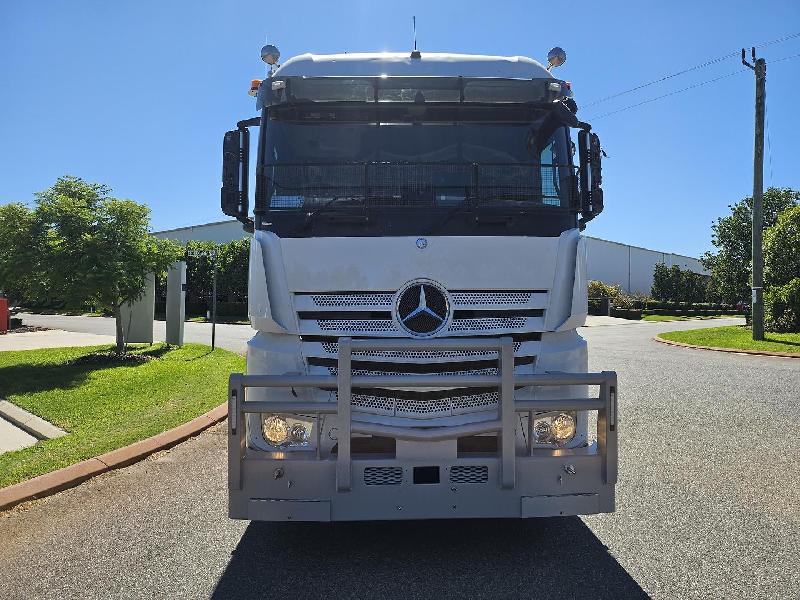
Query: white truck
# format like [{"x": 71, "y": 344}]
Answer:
[{"x": 417, "y": 275}]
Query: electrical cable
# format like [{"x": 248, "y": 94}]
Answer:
[
  {"x": 686, "y": 89},
  {"x": 648, "y": 101},
  {"x": 702, "y": 65}
]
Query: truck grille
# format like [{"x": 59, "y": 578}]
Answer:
[{"x": 326, "y": 316}]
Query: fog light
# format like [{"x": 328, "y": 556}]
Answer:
[
  {"x": 555, "y": 429},
  {"x": 298, "y": 434},
  {"x": 276, "y": 430},
  {"x": 563, "y": 427},
  {"x": 541, "y": 431}
]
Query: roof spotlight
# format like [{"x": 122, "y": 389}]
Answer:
[
  {"x": 270, "y": 54},
  {"x": 555, "y": 58}
]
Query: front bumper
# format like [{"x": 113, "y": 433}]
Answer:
[{"x": 302, "y": 486}]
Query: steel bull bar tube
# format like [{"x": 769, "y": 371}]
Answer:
[{"x": 344, "y": 382}]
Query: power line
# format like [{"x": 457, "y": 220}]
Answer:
[
  {"x": 686, "y": 89},
  {"x": 648, "y": 101},
  {"x": 702, "y": 65}
]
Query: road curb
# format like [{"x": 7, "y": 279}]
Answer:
[
  {"x": 731, "y": 350},
  {"x": 62, "y": 479}
]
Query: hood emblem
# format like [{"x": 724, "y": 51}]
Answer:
[
  {"x": 422, "y": 243},
  {"x": 422, "y": 308}
]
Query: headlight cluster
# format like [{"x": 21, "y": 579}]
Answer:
[
  {"x": 555, "y": 428},
  {"x": 282, "y": 431}
]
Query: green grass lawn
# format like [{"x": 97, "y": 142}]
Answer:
[
  {"x": 105, "y": 405},
  {"x": 224, "y": 320},
  {"x": 736, "y": 337},
  {"x": 682, "y": 318}
]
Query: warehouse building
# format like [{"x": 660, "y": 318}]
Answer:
[{"x": 631, "y": 267}]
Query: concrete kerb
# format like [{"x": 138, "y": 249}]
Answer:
[
  {"x": 730, "y": 350},
  {"x": 27, "y": 421},
  {"x": 56, "y": 481}
]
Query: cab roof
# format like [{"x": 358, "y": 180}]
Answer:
[{"x": 430, "y": 64}]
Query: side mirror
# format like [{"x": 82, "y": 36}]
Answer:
[
  {"x": 234, "y": 196},
  {"x": 590, "y": 176}
]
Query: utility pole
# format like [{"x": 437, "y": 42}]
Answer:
[{"x": 759, "y": 67}]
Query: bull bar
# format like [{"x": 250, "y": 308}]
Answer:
[{"x": 508, "y": 407}]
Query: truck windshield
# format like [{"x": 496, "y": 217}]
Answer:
[{"x": 398, "y": 163}]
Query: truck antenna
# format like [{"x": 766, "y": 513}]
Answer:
[{"x": 415, "y": 53}]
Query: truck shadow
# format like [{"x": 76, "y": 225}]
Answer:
[{"x": 535, "y": 558}]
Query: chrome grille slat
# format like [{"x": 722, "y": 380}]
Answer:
[
  {"x": 402, "y": 407},
  {"x": 487, "y": 324},
  {"x": 343, "y": 300},
  {"x": 490, "y": 298},
  {"x": 370, "y": 373},
  {"x": 357, "y": 325},
  {"x": 333, "y": 349}
]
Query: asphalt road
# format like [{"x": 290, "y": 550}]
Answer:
[{"x": 708, "y": 507}]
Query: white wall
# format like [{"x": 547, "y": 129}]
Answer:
[
  {"x": 219, "y": 232},
  {"x": 630, "y": 267}
]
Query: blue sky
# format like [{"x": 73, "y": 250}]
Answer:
[{"x": 137, "y": 95}]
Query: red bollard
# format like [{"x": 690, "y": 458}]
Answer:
[{"x": 3, "y": 314}]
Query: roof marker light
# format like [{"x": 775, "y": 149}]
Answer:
[
  {"x": 555, "y": 58},
  {"x": 270, "y": 54},
  {"x": 254, "y": 85}
]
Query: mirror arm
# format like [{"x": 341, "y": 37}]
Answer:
[{"x": 244, "y": 124}]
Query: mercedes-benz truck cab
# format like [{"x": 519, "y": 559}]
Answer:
[{"x": 417, "y": 278}]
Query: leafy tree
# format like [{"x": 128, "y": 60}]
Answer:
[
  {"x": 20, "y": 253},
  {"x": 782, "y": 307},
  {"x": 678, "y": 285},
  {"x": 662, "y": 283},
  {"x": 94, "y": 248},
  {"x": 732, "y": 236},
  {"x": 782, "y": 249},
  {"x": 782, "y": 272}
]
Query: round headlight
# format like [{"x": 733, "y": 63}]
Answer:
[
  {"x": 563, "y": 427},
  {"x": 275, "y": 430}
]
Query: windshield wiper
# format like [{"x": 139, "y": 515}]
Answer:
[{"x": 320, "y": 210}]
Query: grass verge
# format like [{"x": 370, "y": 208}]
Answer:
[
  {"x": 736, "y": 337},
  {"x": 106, "y": 404},
  {"x": 662, "y": 318}
]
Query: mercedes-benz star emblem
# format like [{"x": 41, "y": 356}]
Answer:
[{"x": 422, "y": 309}]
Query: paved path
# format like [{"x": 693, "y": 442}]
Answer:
[
  {"x": 708, "y": 507},
  {"x": 231, "y": 337},
  {"x": 54, "y": 338},
  {"x": 13, "y": 438}
]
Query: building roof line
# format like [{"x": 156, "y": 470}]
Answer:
[{"x": 226, "y": 221}]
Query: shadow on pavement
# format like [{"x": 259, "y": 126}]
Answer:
[{"x": 536, "y": 558}]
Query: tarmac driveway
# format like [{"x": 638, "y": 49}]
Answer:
[{"x": 708, "y": 506}]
